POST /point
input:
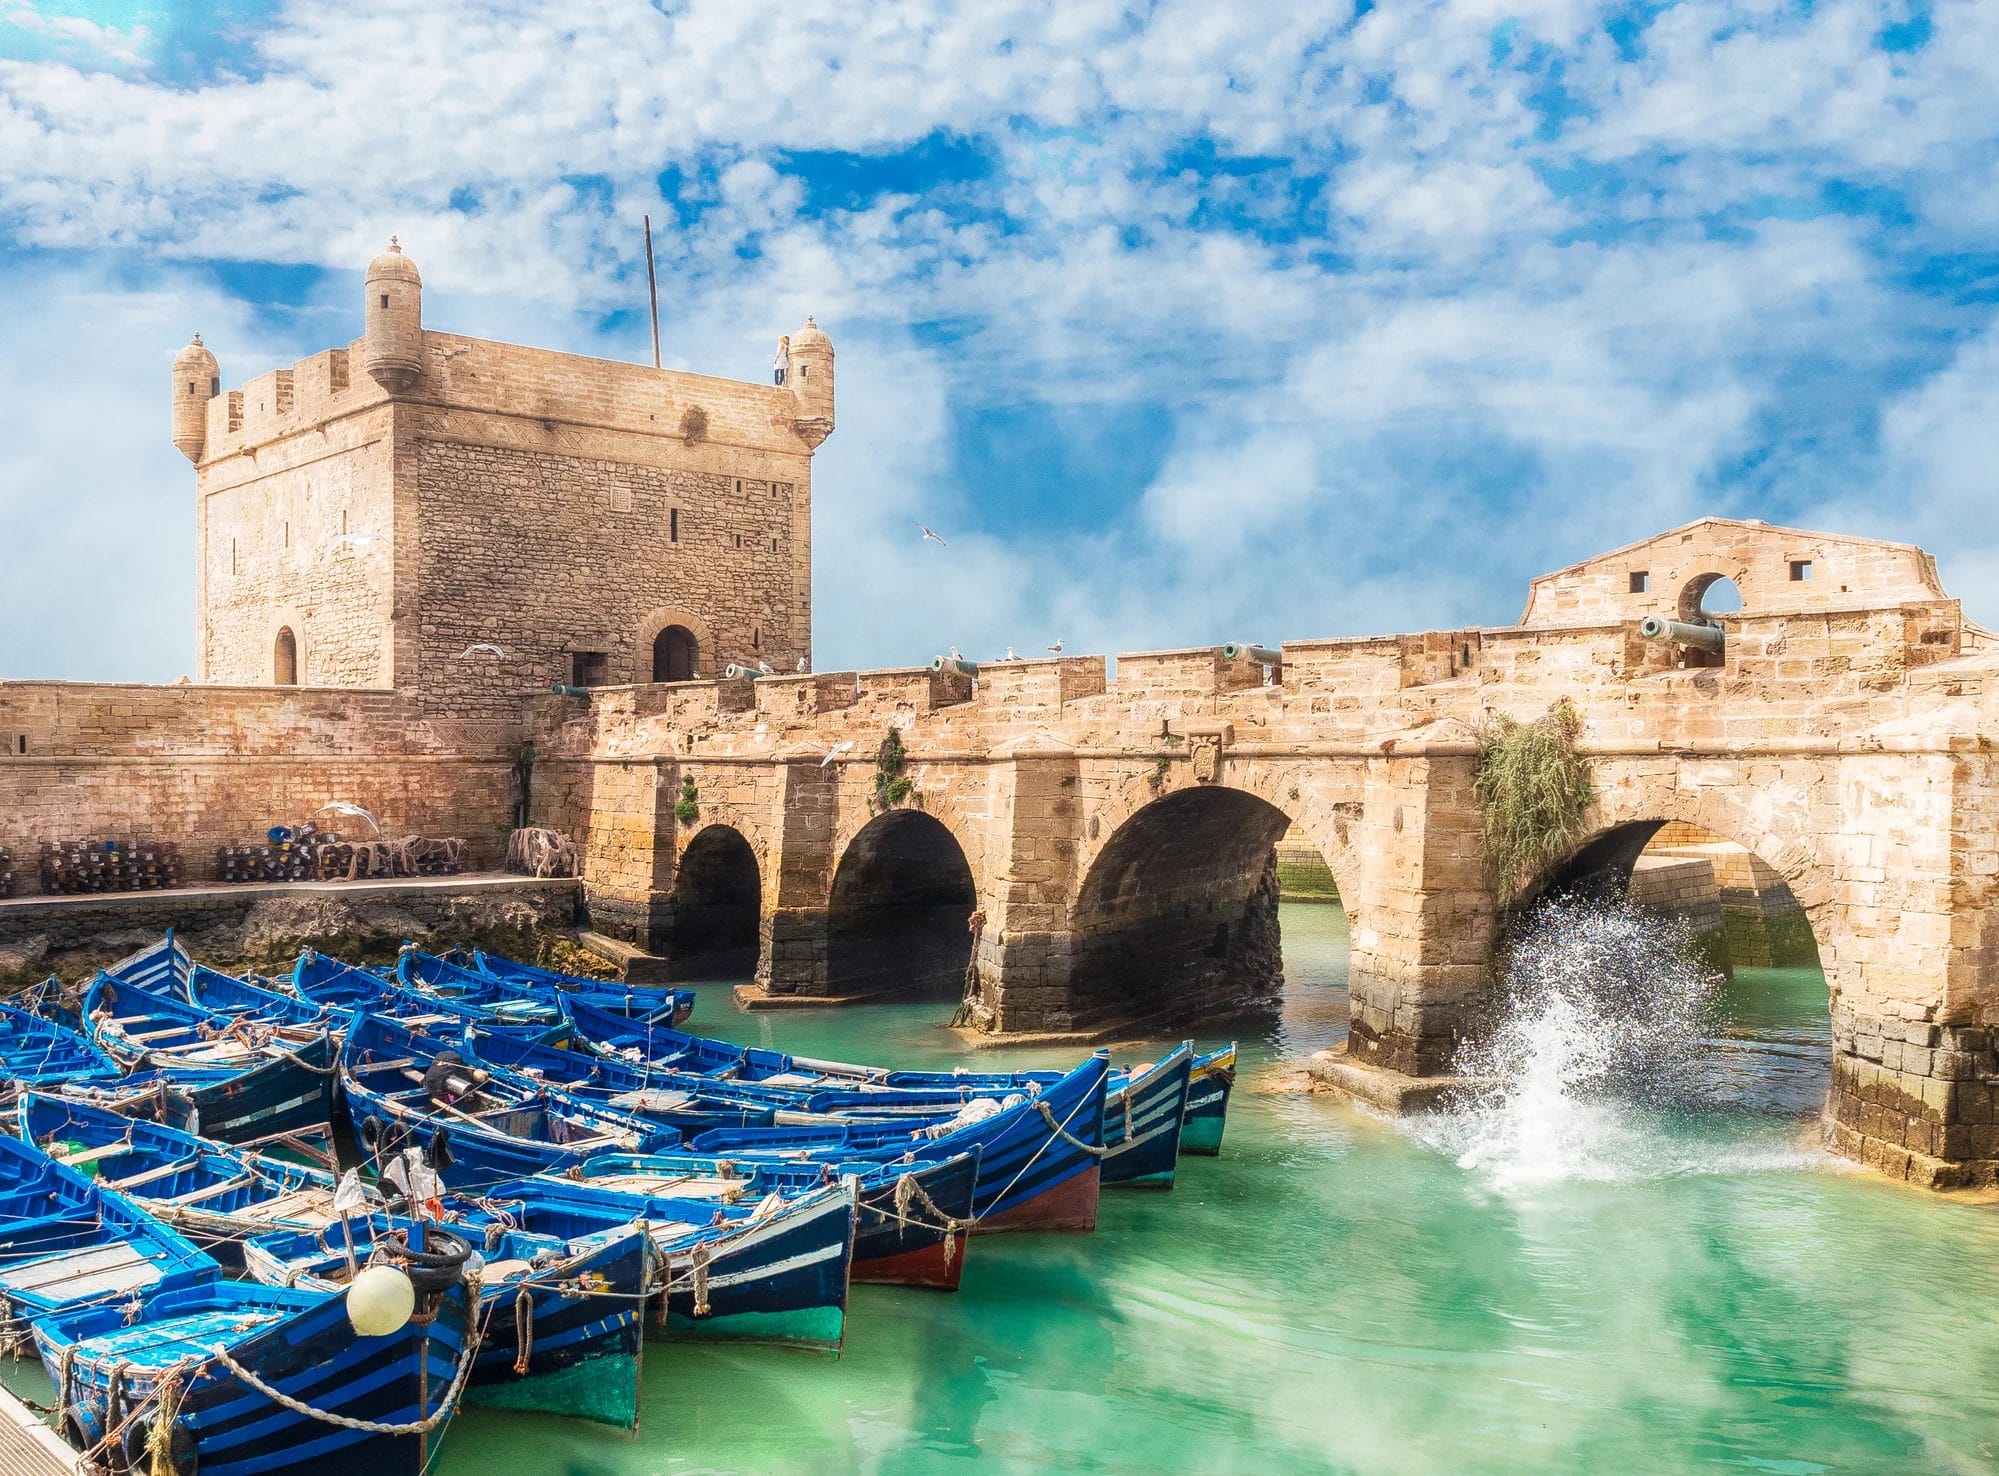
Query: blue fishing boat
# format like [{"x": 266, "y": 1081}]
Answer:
[
  {"x": 1142, "y": 1111},
  {"x": 35, "y": 1051},
  {"x": 562, "y": 1318},
  {"x": 240, "y": 1080},
  {"x": 330, "y": 984},
  {"x": 912, "y": 1213},
  {"x": 691, "y": 1104},
  {"x": 775, "y": 1271},
  {"x": 1144, "y": 1107},
  {"x": 140, "y": 1333},
  {"x": 214, "y": 1194},
  {"x": 1038, "y": 1156},
  {"x": 640, "y": 1000},
  {"x": 523, "y": 985},
  {"x": 403, "y": 1087}
]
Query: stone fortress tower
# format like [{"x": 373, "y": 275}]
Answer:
[{"x": 561, "y": 519}]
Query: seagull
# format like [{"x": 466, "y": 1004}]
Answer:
[
  {"x": 836, "y": 750},
  {"x": 344, "y": 807},
  {"x": 356, "y": 541},
  {"x": 803, "y": 667},
  {"x": 764, "y": 668},
  {"x": 482, "y": 648},
  {"x": 1057, "y": 647},
  {"x": 954, "y": 654},
  {"x": 932, "y": 536},
  {"x": 1009, "y": 655}
]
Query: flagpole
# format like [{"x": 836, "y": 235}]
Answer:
[{"x": 652, "y": 291}]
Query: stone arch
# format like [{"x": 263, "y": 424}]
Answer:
[
  {"x": 656, "y": 625},
  {"x": 711, "y": 926},
  {"x": 286, "y": 662},
  {"x": 1695, "y": 593},
  {"x": 1174, "y": 911},
  {"x": 899, "y": 909}
]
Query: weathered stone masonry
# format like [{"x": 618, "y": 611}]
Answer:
[{"x": 1119, "y": 833}]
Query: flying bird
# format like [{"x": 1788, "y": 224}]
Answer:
[
  {"x": 1057, "y": 646},
  {"x": 481, "y": 648},
  {"x": 845, "y": 746},
  {"x": 927, "y": 533},
  {"x": 350, "y": 540},
  {"x": 346, "y": 807}
]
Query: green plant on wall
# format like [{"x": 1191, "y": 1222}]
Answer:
[
  {"x": 1157, "y": 778},
  {"x": 687, "y": 809},
  {"x": 892, "y": 783},
  {"x": 1533, "y": 789}
]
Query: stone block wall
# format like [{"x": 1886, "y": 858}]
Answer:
[
  {"x": 1915, "y": 1099},
  {"x": 210, "y": 766}
]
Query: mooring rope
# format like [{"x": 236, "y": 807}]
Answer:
[
  {"x": 474, "y": 1334},
  {"x": 907, "y": 1193},
  {"x": 1062, "y": 1132}
]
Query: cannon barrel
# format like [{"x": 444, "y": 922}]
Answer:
[
  {"x": 954, "y": 663},
  {"x": 1701, "y": 637},
  {"x": 1245, "y": 651},
  {"x": 735, "y": 670},
  {"x": 561, "y": 690}
]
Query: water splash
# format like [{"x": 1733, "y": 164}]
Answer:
[{"x": 1594, "y": 1067}]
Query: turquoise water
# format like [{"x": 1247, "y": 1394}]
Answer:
[
  {"x": 1336, "y": 1294},
  {"x": 1332, "y": 1295}
]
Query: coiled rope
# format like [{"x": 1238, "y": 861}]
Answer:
[{"x": 909, "y": 1193}]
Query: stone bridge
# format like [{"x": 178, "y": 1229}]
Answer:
[{"x": 1091, "y": 852}]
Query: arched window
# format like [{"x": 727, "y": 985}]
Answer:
[
  {"x": 673, "y": 654},
  {"x": 284, "y": 658}
]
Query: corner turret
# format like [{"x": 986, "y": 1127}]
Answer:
[
  {"x": 811, "y": 381},
  {"x": 394, "y": 332},
  {"x": 197, "y": 380}
]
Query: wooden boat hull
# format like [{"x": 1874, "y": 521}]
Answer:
[
  {"x": 783, "y": 1281},
  {"x": 1143, "y": 1122},
  {"x": 898, "y": 1239},
  {"x": 584, "y": 1351},
  {"x": 308, "y": 1351},
  {"x": 287, "y": 1096},
  {"x": 1208, "y": 1104}
]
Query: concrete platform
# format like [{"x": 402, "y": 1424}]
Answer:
[
  {"x": 1389, "y": 1091},
  {"x": 30, "y": 1448}
]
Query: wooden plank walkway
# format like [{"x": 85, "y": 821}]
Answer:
[{"x": 30, "y": 1448}]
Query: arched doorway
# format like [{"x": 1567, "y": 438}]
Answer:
[
  {"x": 898, "y": 921},
  {"x": 1177, "y": 916},
  {"x": 711, "y": 931},
  {"x": 284, "y": 658},
  {"x": 674, "y": 653}
]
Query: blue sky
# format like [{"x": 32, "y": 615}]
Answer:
[{"x": 1183, "y": 322}]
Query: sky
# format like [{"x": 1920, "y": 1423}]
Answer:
[{"x": 1181, "y": 322}]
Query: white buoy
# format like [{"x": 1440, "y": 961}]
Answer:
[{"x": 380, "y": 1301}]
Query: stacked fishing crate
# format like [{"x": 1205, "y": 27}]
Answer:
[{"x": 70, "y": 867}]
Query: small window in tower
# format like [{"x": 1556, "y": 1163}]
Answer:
[
  {"x": 756, "y": 638},
  {"x": 773, "y": 545},
  {"x": 739, "y": 540},
  {"x": 288, "y": 535},
  {"x": 232, "y": 556},
  {"x": 343, "y": 522},
  {"x": 1801, "y": 570},
  {"x": 385, "y": 299},
  {"x": 190, "y": 386},
  {"x": 804, "y": 372},
  {"x": 21, "y": 743},
  {"x": 1640, "y": 581},
  {"x": 739, "y": 486},
  {"x": 215, "y": 385},
  {"x": 673, "y": 525},
  {"x": 589, "y": 668}
]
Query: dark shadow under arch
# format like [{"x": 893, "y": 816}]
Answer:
[
  {"x": 711, "y": 928},
  {"x": 1177, "y": 916},
  {"x": 675, "y": 655},
  {"x": 898, "y": 919},
  {"x": 284, "y": 658}
]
